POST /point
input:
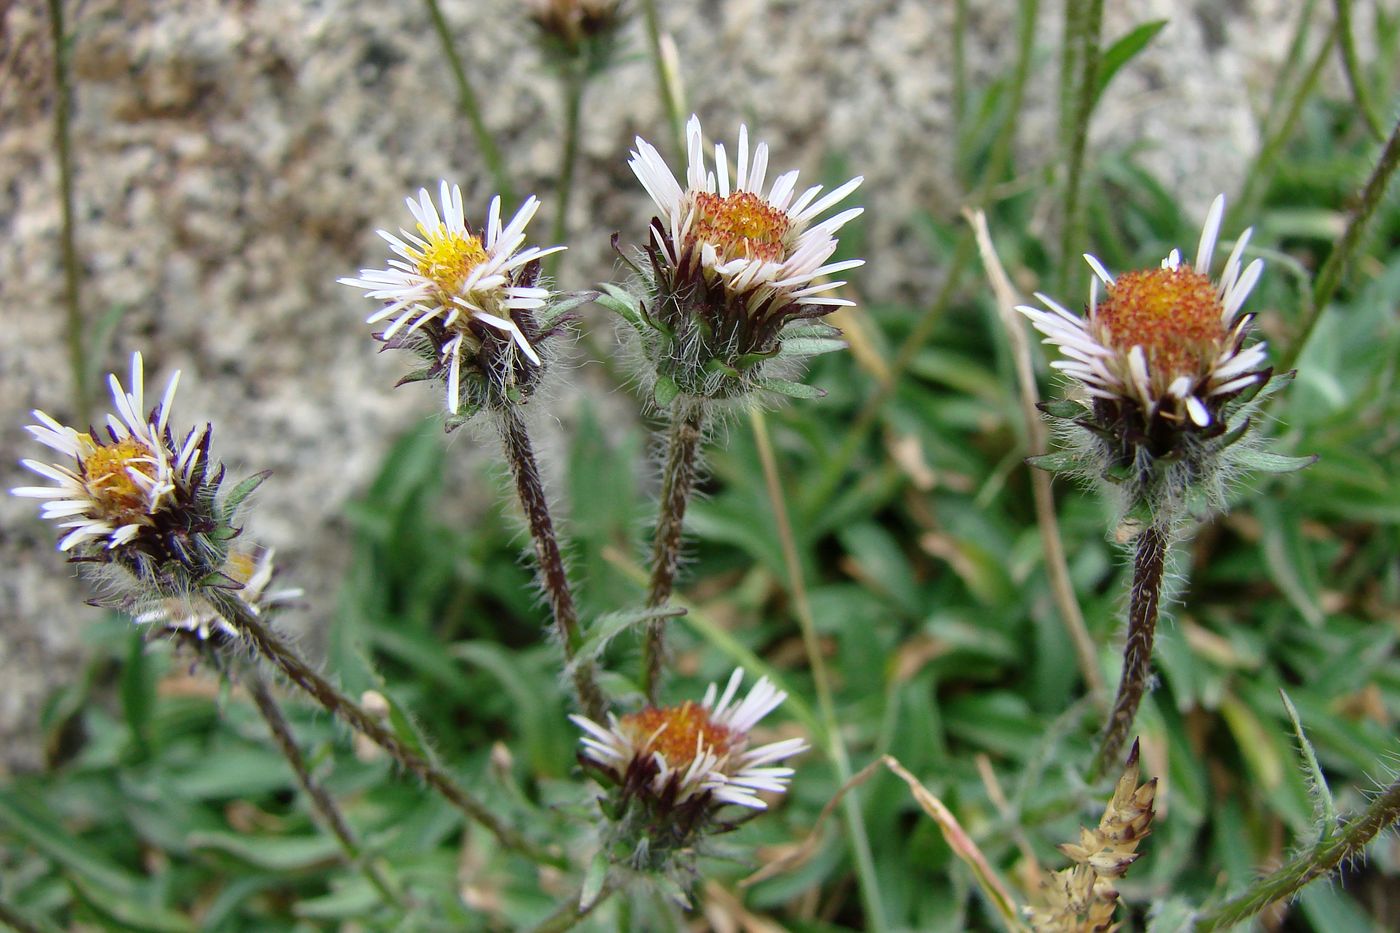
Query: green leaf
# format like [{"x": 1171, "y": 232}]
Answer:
[
  {"x": 801, "y": 347},
  {"x": 665, "y": 391},
  {"x": 354, "y": 897},
  {"x": 242, "y": 491},
  {"x": 1262, "y": 461},
  {"x": 1123, "y": 51},
  {"x": 29, "y": 820},
  {"x": 593, "y": 880},
  {"x": 609, "y": 626},
  {"x": 561, "y": 304},
  {"x": 1062, "y": 461},
  {"x": 792, "y": 389},
  {"x": 126, "y": 912},
  {"x": 1324, "y": 808},
  {"x": 275, "y": 853},
  {"x": 1063, "y": 408},
  {"x": 623, "y": 302},
  {"x": 1289, "y": 561}
]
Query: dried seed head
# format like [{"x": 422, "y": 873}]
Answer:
[{"x": 1082, "y": 898}]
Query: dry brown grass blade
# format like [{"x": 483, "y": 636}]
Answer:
[{"x": 957, "y": 838}]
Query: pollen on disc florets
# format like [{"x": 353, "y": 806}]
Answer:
[
  {"x": 448, "y": 259},
  {"x": 678, "y": 732},
  {"x": 107, "y": 472},
  {"x": 1175, "y": 315},
  {"x": 741, "y": 226}
]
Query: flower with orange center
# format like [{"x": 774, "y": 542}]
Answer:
[
  {"x": 251, "y": 568},
  {"x": 111, "y": 489},
  {"x": 768, "y": 244},
  {"x": 452, "y": 278},
  {"x": 695, "y": 753},
  {"x": 1165, "y": 339}
]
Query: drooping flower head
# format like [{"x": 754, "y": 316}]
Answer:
[
  {"x": 1165, "y": 360},
  {"x": 250, "y": 569},
  {"x": 735, "y": 265},
  {"x": 468, "y": 301},
  {"x": 129, "y": 487},
  {"x": 583, "y": 31},
  {"x": 675, "y": 767}
]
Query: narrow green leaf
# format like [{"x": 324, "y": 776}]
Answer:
[
  {"x": 243, "y": 490},
  {"x": 594, "y": 880},
  {"x": 1063, "y": 408},
  {"x": 665, "y": 391},
  {"x": 1262, "y": 461},
  {"x": 1123, "y": 51},
  {"x": 1324, "y": 808},
  {"x": 623, "y": 302},
  {"x": 612, "y": 624},
  {"x": 792, "y": 389},
  {"x": 126, "y": 912},
  {"x": 561, "y": 304},
  {"x": 1059, "y": 462},
  {"x": 138, "y": 695},
  {"x": 25, "y": 819},
  {"x": 809, "y": 346},
  {"x": 276, "y": 853}
]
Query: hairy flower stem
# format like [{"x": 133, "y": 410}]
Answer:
[
  {"x": 1319, "y": 860},
  {"x": 553, "y": 575},
  {"x": 683, "y": 446},
  {"x": 1083, "y": 23},
  {"x": 1144, "y": 603},
  {"x": 323, "y": 802},
  {"x": 62, "y": 132},
  {"x": 283, "y": 657},
  {"x": 1330, "y": 275}
]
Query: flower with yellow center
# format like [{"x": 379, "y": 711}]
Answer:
[
  {"x": 450, "y": 277},
  {"x": 1166, "y": 339},
  {"x": 112, "y": 488},
  {"x": 695, "y": 752},
  {"x": 763, "y": 244}
]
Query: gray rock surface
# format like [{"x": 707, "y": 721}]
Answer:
[{"x": 233, "y": 159}]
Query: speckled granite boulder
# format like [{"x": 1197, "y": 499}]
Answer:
[{"x": 233, "y": 159}]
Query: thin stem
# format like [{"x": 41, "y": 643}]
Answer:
[
  {"x": 1144, "y": 604},
  {"x": 574, "y": 81},
  {"x": 570, "y": 913},
  {"x": 62, "y": 132},
  {"x": 682, "y": 463},
  {"x": 1082, "y": 38},
  {"x": 1352, "y": 65},
  {"x": 1330, "y": 275},
  {"x": 520, "y": 454},
  {"x": 824, "y": 487},
  {"x": 836, "y": 745},
  {"x": 670, "y": 100},
  {"x": 1056, "y": 564},
  {"x": 1261, "y": 172},
  {"x": 1319, "y": 860},
  {"x": 283, "y": 657},
  {"x": 320, "y": 799},
  {"x": 466, "y": 96}
]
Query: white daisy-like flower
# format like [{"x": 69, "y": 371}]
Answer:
[
  {"x": 695, "y": 752},
  {"x": 756, "y": 243},
  {"x": 448, "y": 274},
  {"x": 111, "y": 488},
  {"x": 1169, "y": 339},
  {"x": 252, "y": 568}
]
